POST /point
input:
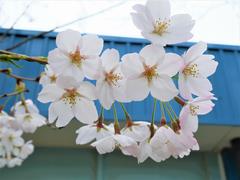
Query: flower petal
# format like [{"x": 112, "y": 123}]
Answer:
[
  {"x": 104, "y": 94},
  {"x": 85, "y": 111},
  {"x": 184, "y": 87},
  {"x": 171, "y": 64},
  {"x": 110, "y": 59},
  {"x": 200, "y": 86},
  {"x": 159, "y": 9},
  {"x": 152, "y": 54},
  {"x": 68, "y": 40},
  {"x": 131, "y": 65},
  {"x": 137, "y": 89},
  {"x": 194, "y": 52},
  {"x": 163, "y": 88},
  {"x": 64, "y": 112},
  {"x": 86, "y": 134},
  {"x": 105, "y": 145},
  {"x": 91, "y": 67},
  {"x": 88, "y": 90},
  {"x": 50, "y": 93},
  {"x": 91, "y": 45},
  {"x": 206, "y": 65}
]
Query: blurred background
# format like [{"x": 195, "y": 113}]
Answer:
[{"x": 30, "y": 27}]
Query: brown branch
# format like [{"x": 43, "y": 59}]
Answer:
[{"x": 6, "y": 55}]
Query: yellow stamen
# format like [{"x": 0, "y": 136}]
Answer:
[
  {"x": 150, "y": 72},
  {"x": 76, "y": 57},
  {"x": 161, "y": 27},
  {"x": 71, "y": 96},
  {"x": 193, "y": 110},
  {"x": 191, "y": 70},
  {"x": 112, "y": 78}
]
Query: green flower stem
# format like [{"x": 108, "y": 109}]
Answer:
[
  {"x": 171, "y": 109},
  {"x": 154, "y": 110},
  {"x": 162, "y": 110},
  {"x": 168, "y": 112}
]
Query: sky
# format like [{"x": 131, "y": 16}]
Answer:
[{"x": 217, "y": 21}]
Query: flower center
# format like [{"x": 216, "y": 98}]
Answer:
[
  {"x": 76, "y": 57},
  {"x": 193, "y": 110},
  {"x": 150, "y": 72},
  {"x": 161, "y": 27},
  {"x": 191, "y": 70},
  {"x": 71, "y": 96},
  {"x": 53, "y": 78},
  {"x": 112, "y": 78},
  {"x": 27, "y": 118}
]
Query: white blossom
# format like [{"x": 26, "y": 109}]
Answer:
[{"x": 158, "y": 26}]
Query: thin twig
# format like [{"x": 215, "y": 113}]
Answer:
[
  {"x": 13, "y": 93},
  {"x": 8, "y": 72},
  {"x": 15, "y": 22},
  {"x": 66, "y": 24}
]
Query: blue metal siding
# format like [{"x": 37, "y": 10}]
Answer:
[{"x": 225, "y": 81}]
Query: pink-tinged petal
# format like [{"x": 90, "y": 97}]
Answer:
[
  {"x": 104, "y": 94},
  {"x": 105, "y": 145},
  {"x": 200, "y": 86},
  {"x": 144, "y": 151},
  {"x": 184, "y": 87},
  {"x": 142, "y": 22},
  {"x": 88, "y": 90},
  {"x": 204, "y": 107},
  {"x": 68, "y": 40},
  {"x": 120, "y": 93},
  {"x": 110, "y": 59},
  {"x": 156, "y": 39},
  {"x": 171, "y": 64},
  {"x": 64, "y": 112},
  {"x": 52, "y": 115},
  {"x": 194, "y": 52},
  {"x": 86, "y": 134},
  {"x": 181, "y": 23},
  {"x": 163, "y": 88},
  {"x": 50, "y": 93},
  {"x": 91, "y": 45},
  {"x": 58, "y": 60},
  {"x": 152, "y": 54},
  {"x": 85, "y": 111},
  {"x": 188, "y": 122},
  {"x": 131, "y": 65},
  {"x": 73, "y": 71},
  {"x": 159, "y": 9},
  {"x": 67, "y": 82},
  {"x": 91, "y": 67},
  {"x": 206, "y": 65},
  {"x": 137, "y": 89}
]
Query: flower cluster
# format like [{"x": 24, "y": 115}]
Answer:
[
  {"x": 78, "y": 72},
  {"x": 25, "y": 119}
]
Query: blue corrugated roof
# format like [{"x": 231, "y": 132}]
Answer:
[{"x": 225, "y": 81}]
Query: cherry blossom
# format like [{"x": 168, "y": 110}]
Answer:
[
  {"x": 158, "y": 26},
  {"x": 69, "y": 98},
  {"x": 110, "y": 81},
  {"x": 27, "y": 117},
  {"x": 151, "y": 71},
  {"x": 137, "y": 130},
  {"x": 107, "y": 144},
  {"x": 91, "y": 132},
  {"x": 189, "y": 113},
  {"x": 48, "y": 76},
  {"x": 196, "y": 67},
  {"x": 76, "y": 55}
]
